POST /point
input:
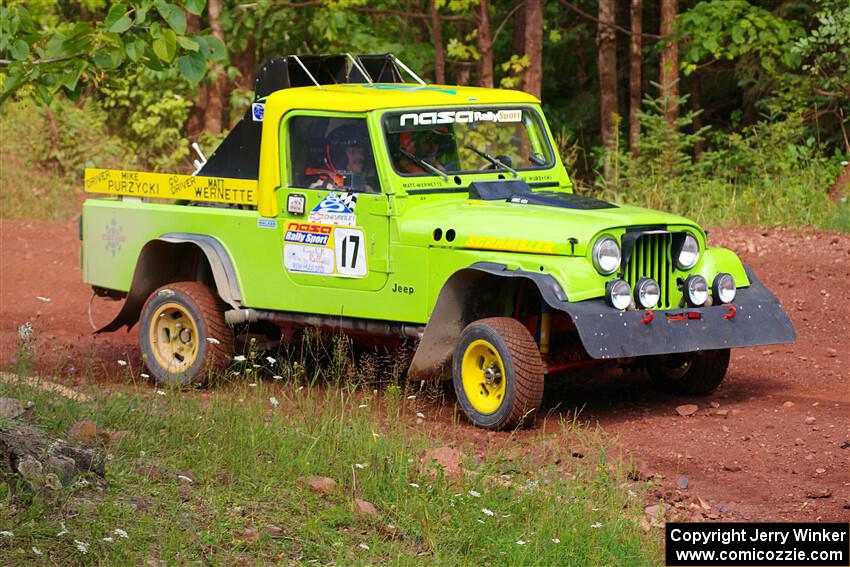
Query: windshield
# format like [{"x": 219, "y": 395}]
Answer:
[{"x": 447, "y": 142}]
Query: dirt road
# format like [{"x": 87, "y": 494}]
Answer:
[{"x": 770, "y": 444}]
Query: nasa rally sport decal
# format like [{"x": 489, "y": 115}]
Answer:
[
  {"x": 336, "y": 208},
  {"x": 325, "y": 250}
]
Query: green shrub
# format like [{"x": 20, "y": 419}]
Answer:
[{"x": 770, "y": 174}]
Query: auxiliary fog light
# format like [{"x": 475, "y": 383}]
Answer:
[
  {"x": 723, "y": 289},
  {"x": 618, "y": 293},
  {"x": 647, "y": 293},
  {"x": 696, "y": 290}
]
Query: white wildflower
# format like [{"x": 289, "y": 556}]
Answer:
[
  {"x": 145, "y": 375},
  {"x": 122, "y": 362},
  {"x": 520, "y": 542},
  {"x": 108, "y": 539},
  {"x": 64, "y": 529},
  {"x": 486, "y": 511},
  {"x": 239, "y": 358},
  {"x": 556, "y": 540},
  {"x": 273, "y": 401},
  {"x": 213, "y": 341},
  {"x": 82, "y": 546},
  {"x": 474, "y": 494},
  {"x": 25, "y": 331},
  {"x": 299, "y": 388},
  {"x": 248, "y": 370},
  {"x": 121, "y": 533},
  {"x": 276, "y": 377},
  {"x": 362, "y": 406},
  {"x": 414, "y": 485},
  {"x": 360, "y": 465},
  {"x": 7, "y": 533},
  {"x": 252, "y": 385},
  {"x": 596, "y": 525},
  {"x": 161, "y": 392},
  {"x": 271, "y": 360},
  {"x": 36, "y": 550},
  {"x": 363, "y": 546},
  {"x": 420, "y": 415}
]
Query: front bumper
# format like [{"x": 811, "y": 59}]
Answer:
[{"x": 759, "y": 319}]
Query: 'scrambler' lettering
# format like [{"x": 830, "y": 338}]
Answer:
[{"x": 510, "y": 244}]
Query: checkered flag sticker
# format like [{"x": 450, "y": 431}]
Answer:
[{"x": 349, "y": 200}]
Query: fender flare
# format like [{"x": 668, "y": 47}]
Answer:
[
  {"x": 221, "y": 265},
  {"x": 156, "y": 265},
  {"x": 461, "y": 302}
]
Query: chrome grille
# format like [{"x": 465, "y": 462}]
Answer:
[{"x": 651, "y": 258}]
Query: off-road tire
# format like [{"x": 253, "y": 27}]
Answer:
[
  {"x": 207, "y": 310},
  {"x": 706, "y": 371},
  {"x": 524, "y": 372}
]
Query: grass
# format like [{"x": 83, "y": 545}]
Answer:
[{"x": 247, "y": 455}]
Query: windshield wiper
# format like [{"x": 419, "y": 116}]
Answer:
[
  {"x": 494, "y": 161},
  {"x": 424, "y": 164}
]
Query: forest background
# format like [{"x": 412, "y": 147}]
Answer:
[{"x": 728, "y": 111}]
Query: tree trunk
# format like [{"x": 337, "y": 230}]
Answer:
[
  {"x": 534, "y": 47},
  {"x": 485, "y": 47},
  {"x": 518, "y": 40},
  {"x": 606, "y": 42},
  {"x": 215, "y": 94},
  {"x": 635, "y": 68},
  {"x": 669, "y": 72},
  {"x": 439, "y": 50}
]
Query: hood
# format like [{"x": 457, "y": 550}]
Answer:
[{"x": 547, "y": 228}]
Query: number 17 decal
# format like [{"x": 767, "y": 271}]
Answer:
[{"x": 350, "y": 247}]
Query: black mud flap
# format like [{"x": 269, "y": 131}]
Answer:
[{"x": 756, "y": 317}]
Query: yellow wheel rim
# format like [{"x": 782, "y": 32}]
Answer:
[
  {"x": 173, "y": 337},
  {"x": 483, "y": 377},
  {"x": 677, "y": 372}
]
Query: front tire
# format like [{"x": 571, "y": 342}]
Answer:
[
  {"x": 183, "y": 335},
  {"x": 690, "y": 373},
  {"x": 498, "y": 373}
]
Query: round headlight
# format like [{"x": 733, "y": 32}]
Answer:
[
  {"x": 723, "y": 289},
  {"x": 618, "y": 293},
  {"x": 689, "y": 254},
  {"x": 696, "y": 290},
  {"x": 606, "y": 255},
  {"x": 647, "y": 293}
]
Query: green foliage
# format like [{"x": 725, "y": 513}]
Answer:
[
  {"x": 44, "y": 54},
  {"x": 150, "y": 109},
  {"x": 771, "y": 173},
  {"x": 43, "y": 161},
  {"x": 731, "y": 29}
]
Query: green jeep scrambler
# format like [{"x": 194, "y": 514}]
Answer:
[{"x": 350, "y": 200}]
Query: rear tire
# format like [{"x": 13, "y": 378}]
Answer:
[
  {"x": 498, "y": 373},
  {"x": 183, "y": 336},
  {"x": 690, "y": 373}
]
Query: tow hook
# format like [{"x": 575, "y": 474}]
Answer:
[
  {"x": 732, "y": 312},
  {"x": 647, "y": 317}
]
